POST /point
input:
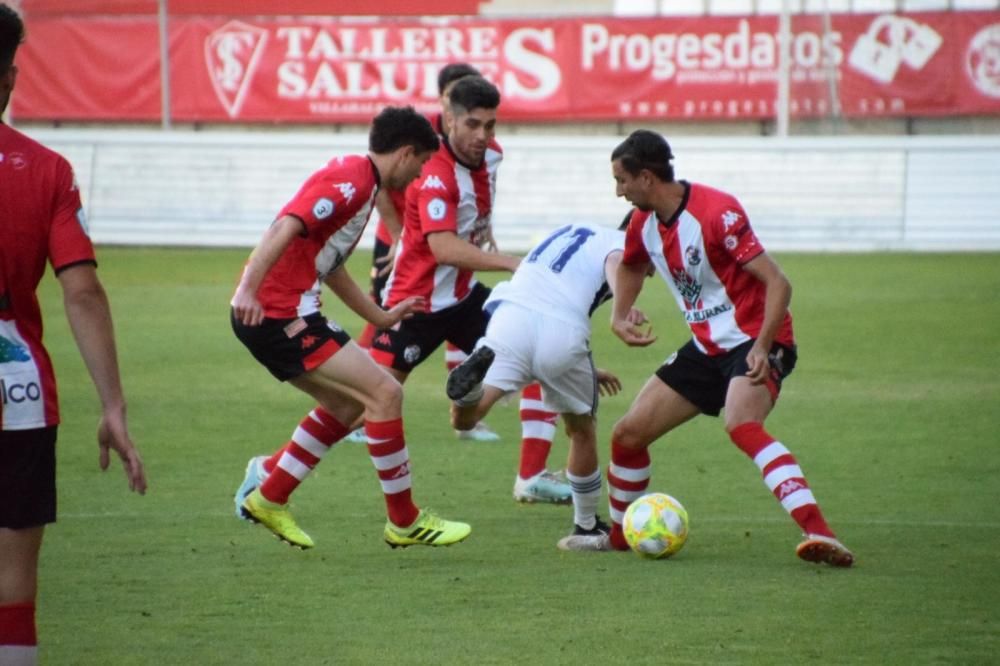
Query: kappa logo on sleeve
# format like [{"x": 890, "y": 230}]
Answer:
[
  {"x": 729, "y": 218},
  {"x": 347, "y": 190},
  {"x": 432, "y": 182},
  {"x": 437, "y": 209},
  {"x": 323, "y": 208}
]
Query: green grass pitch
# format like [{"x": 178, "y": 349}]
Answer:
[{"x": 893, "y": 412}]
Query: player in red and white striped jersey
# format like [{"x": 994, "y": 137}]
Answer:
[
  {"x": 735, "y": 299},
  {"x": 42, "y": 221},
  {"x": 390, "y": 208},
  {"x": 446, "y": 237},
  {"x": 276, "y": 314}
]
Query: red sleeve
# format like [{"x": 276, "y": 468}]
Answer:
[
  {"x": 635, "y": 250},
  {"x": 68, "y": 240},
  {"x": 334, "y": 193},
  {"x": 731, "y": 227},
  {"x": 437, "y": 200}
]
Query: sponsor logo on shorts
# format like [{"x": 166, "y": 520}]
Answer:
[
  {"x": 670, "y": 359},
  {"x": 333, "y": 327},
  {"x": 411, "y": 354},
  {"x": 309, "y": 341},
  {"x": 436, "y": 209},
  {"x": 323, "y": 208},
  {"x": 296, "y": 327}
]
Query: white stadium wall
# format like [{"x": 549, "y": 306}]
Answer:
[{"x": 812, "y": 194}]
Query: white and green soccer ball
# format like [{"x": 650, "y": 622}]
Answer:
[{"x": 655, "y": 525}]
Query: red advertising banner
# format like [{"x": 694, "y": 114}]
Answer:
[{"x": 319, "y": 69}]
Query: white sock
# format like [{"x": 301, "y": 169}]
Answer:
[{"x": 586, "y": 496}]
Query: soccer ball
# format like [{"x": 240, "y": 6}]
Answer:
[{"x": 655, "y": 525}]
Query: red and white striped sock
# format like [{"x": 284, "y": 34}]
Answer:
[
  {"x": 18, "y": 637},
  {"x": 538, "y": 429},
  {"x": 453, "y": 356},
  {"x": 782, "y": 475},
  {"x": 387, "y": 448},
  {"x": 289, "y": 466},
  {"x": 628, "y": 479}
]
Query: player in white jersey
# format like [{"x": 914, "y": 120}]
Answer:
[
  {"x": 735, "y": 299},
  {"x": 540, "y": 331}
]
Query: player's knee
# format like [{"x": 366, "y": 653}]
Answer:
[
  {"x": 387, "y": 395},
  {"x": 628, "y": 435}
]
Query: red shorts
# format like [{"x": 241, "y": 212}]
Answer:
[{"x": 291, "y": 347}]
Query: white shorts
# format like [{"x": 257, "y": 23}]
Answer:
[{"x": 531, "y": 346}]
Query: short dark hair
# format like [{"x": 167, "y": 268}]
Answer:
[
  {"x": 648, "y": 150},
  {"x": 11, "y": 36},
  {"x": 398, "y": 126},
  {"x": 453, "y": 72},
  {"x": 473, "y": 92}
]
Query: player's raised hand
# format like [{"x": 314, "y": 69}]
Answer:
[
  {"x": 633, "y": 334},
  {"x": 112, "y": 434},
  {"x": 405, "y": 309},
  {"x": 607, "y": 383}
]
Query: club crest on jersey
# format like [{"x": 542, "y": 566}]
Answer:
[
  {"x": 432, "y": 182},
  {"x": 323, "y": 208},
  {"x": 693, "y": 255},
  {"x": 411, "y": 354},
  {"x": 436, "y": 209},
  {"x": 232, "y": 54},
  {"x": 688, "y": 287}
]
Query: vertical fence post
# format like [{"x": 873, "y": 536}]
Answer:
[
  {"x": 784, "y": 68},
  {"x": 166, "y": 122}
]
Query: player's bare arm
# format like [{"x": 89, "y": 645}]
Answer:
[
  {"x": 348, "y": 291},
  {"x": 89, "y": 316},
  {"x": 635, "y": 315},
  {"x": 393, "y": 225},
  {"x": 625, "y": 323},
  {"x": 451, "y": 250},
  {"x": 778, "y": 297},
  {"x": 245, "y": 304}
]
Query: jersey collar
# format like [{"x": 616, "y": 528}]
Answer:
[{"x": 680, "y": 209}]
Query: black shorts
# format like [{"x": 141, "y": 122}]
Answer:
[
  {"x": 407, "y": 344},
  {"x": 27, "y": 477},
  {"x": 378, "y": 282},
  {"x": 704, "y": 379},
  {"x": 291, "y": 347}
]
